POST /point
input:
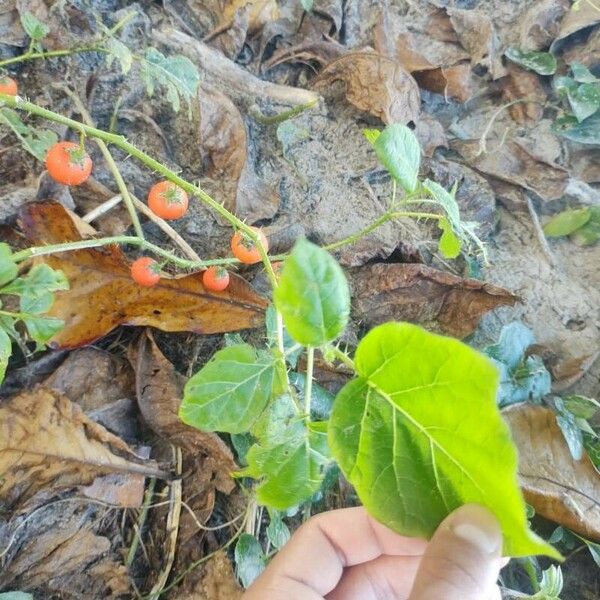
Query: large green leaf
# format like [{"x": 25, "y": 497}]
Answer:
[
  {"x": 586, "y": 132},
  {"x": 312, "y": 295},
  {"x": 5, "y": 352},
  {"x": 398, "y": 150},
  {"x": 584, "y": 100},
  {"x": 543, "y": 63},
  {"x": 33, "y": 27},
  {"x": 8, "y": 269},
  {"x": 419, "y": 434},
  {"x": 590, "y": 233},
  {"x": 250, "y": 559},
  {"x": 230, "y": 392},
  {"x": 567, "y": 221}
]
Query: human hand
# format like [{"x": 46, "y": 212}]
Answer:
[{"x": 347, "y": 555}]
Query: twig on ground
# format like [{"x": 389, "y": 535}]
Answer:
[{"x": 539, "y": 232}]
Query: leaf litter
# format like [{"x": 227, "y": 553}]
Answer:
[{"x": 437, "y": 66}]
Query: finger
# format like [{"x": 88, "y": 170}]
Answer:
[
  {"x": 319, "y": 551},
  {"x": 462, "y": 561},
  {"x": 385, "y": 577}
]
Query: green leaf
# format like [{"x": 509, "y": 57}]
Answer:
[
  {"x": 567, "y": 222},
  {"x": 321, "y": 399},
  {"x": 36, "y": 141},
  {"x": 418, "y": 434},
  {"x": 590, "y": 233},
  {"x": 117, "y": 50},
  {"x": 449, "y": 244},
  {"x": 250, "y": 559},
  {"x": 446, "y": 200},
  {"x": 290, "y": 472},
  {"x": 5, "y": 352},
  {"x": 580, "y": 406},
  {"x": 288, "y": 342},
  {"x": 584, "y": 100},
  {"x": 35, "y": 288},
  {"x": 278, "y": 423},
  {"x": 514, "y": 340},
  {"x": 277, "y": 531},
  {"x": 398, "y": 150},
  {"x": 371, "y": 135},
  {"x": 582, "y": 74},
  {"x": 15, "y": 596},
  {"x": 591, "y": 444},
  {"x": 543, "y": 63},
  {"x": 307, "y": 5},
  {"x": 529, "y": 381},
  {"x": 43, "y": 329},
  {"x": 572, "y": 434},
  {"x": 241, "y": 443},
  {"x": 33, "y": 27},
  {"x": 230, "y": 392},
  {"x": 8, "y": 269},
  {"x": 313, "y": 295},
  {"x": 176, "y": 74},
  {"x": 586, "y": 132}
]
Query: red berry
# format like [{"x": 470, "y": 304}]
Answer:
[
  {"x": 215, "y": 279},
  {"x": 8, "y": 86},
  {"x": 68, "y": 163},
  {"x": 245, "y": 250},
  {"x": 145, "y": 271},
  {"x": 167, "y": 200}
]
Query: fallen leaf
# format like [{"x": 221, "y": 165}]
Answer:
[
  {"x": 452, "y": 82},
  {"x": 430, "y": 133},
  {"x": 223, "y": 144},
  {"x": 423, "y": 295},
  {"x": 585, "y": 165},
  {"x": 260, "y": 12},
  {"x": 102, "y": 294},
  {"x": 93, "y": 378},
  {"x": 332, "y": 10},
  {"x": 159, "y": 393},
  {"x": 584, "y": 51},
  {"x": 540, "y": 25},
  {"x": 513, "y": 163},
  {"x": 566, "y": 373},
  {"x": 375, "y": 84},
  {"x": 59, "y": 554},
  {"x": 230, "y": 38},
  {"x": 47, "y": 441},
  {"x": 477, "y": 35},
  {"x": 559, "y": 488},
  {"x": 523, "y": 84},
  {"x": 575, "y": 20},
  {"x": 321, "y": 52}
]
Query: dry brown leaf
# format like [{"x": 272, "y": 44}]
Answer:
[
  {"x": 513, "y": 163},
  {"x": 453, "y": 82},
  {"x": 477, "y": 35},
  {"x": 93, "y": 378},
  {"x": 159, "y": 394},
  {"x": 321, "y": 52},
  {"x": 47, "y": 441},
  {"x": 259, "y": 12},
  {"x": 585, "y": 165},
  {"x": 540, "y": 25},
  {"x": 566, "y": 373},
  {"x": 584, "y": 51},
  {"x": 223, "y": 143},
  {"x": 421, "y": 294},
  {"x": 574, "y": 21},
  {"x": 521, "y": 83},
  {"x": 430, "y": 133},
  {"x": 559, "y": 488},
  {"x": 375, "y": 84},
  {"x": 102, "y": 294}
]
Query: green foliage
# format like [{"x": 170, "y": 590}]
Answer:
[
  {"x": 543, "y": 63},
  {"x": 35, "y": 141},
  {"x": 291, "y": 349},
  {"x": 230, "y": 392},
  {"x": 312, "y": 295},
  {"x": 34, "y": 28},
  {"x": 117, "y": 50},
  {"x": 5, "y": 352},
  {"x": 551, "y": 585},
  {"x": 277, "y": 531},
  {"x": 589, "y": 234},
  {"x": 176, "y": 74},
  {"x": 307, "y": 5},
  {"x": 570, "y": 429},
  {"x": 582, "y": 74},
  {"x": 586, "y": 132},
  {"x": 431, "y": 434},
  {"x": 398, "y": 150},
  {"x": 250, "y": 559},
  {"x": 449, "y": 245},
  {"x": 289, "y": 134},
  {"x": 566, "y": 222},
  {"x": 8, "y": 269},
  {"x": 581, "y": 407},
  {"x": 522, "y": 378},
  {"x": 15, "y": 596}
]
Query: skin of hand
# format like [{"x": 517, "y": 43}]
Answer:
[{"x": 347, "y": 555}]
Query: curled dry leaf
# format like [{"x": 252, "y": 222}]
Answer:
[
  {"x": 231, "y": 37},
  {"x": 477, "y": 35},
  {"x": 560, "y": 488},
  {"x": 585, "y": 51},
  {"x": 566, "y": 373},
  {"x": 102, "y": 294},
  {"x": 540, "y": 24},
  {"x": 574, "y": 21},
  {"x": 321, "y": 52},
  {"x": 513, "y": 163},
  {"x": 420, "y": 294},
  {"x": 523, "y": 84},
  {"x": 47, "y": 441},
  {"x": 223, "y": 143},
  {"x": 453, "y": 82},
  {"x": 159, "y": 392},
  {"x": 375, "y": 84}
]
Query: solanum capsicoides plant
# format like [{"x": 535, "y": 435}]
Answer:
[{"x": 416, "y": 431}]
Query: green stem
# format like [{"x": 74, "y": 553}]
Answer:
[
  {"x": 140, "y": 524},
  {"x": 184, "y": 263},
  {"x": 310, "y": 362},
  {"x": 50, "y": 54},
  {"x": 342, "y": 357},
  {"x": 284, "y": 116},
  {"x": 14, "y": 315}
]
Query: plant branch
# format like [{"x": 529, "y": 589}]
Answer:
[
  {"x": 341, "y": 356},
  {"x": 51, "y": 54}
]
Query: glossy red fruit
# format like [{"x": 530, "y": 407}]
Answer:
[
  {"x": 8, "y": 86},
  {"x": 245, "y": 250},
  {"x": 68, "y": 163},
  {"x": 215, "y": 279},
  {"x": 145, "y": 271},
  {"x": 167, "y": 200}
]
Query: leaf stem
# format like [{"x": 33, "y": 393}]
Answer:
[
  {"x": 15, "y": 315},
  {"x": 50, "y": 54},
  {"x": 342, "y": 356},
  {"x": 310, "y": 362}
]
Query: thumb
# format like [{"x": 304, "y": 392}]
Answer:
[{"x": 462, "y": 560}]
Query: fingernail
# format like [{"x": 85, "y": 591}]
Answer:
[{"x": 477, "y": 526}]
